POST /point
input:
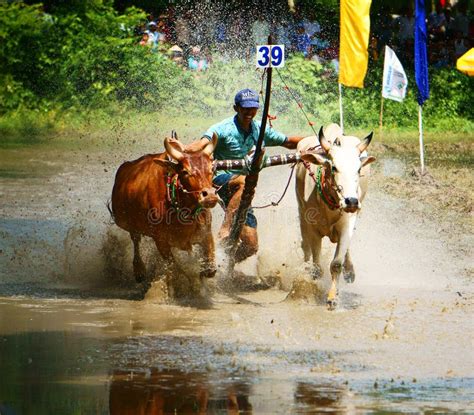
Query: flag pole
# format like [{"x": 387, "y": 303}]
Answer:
[
  {"x": 381, "y": 113},
  {"x": 341, "y": 114},
  {"x": 420, "y": 129}
]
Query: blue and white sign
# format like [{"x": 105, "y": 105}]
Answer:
[
  {"x": 270, "y": 56},
  {"x": 394, "y": 78}
]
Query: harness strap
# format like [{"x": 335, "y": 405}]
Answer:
[
  {"x": 172, "y": 195},
  {"x": 333, "y": 204},
  {"x": 319, "y": 181}
]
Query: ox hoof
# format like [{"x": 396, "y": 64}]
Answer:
[
  {"x": 316, "y": 273},
  {"x": 208, "y": 273},
  {"x": 349, "y": 276},
  {"x": 139, "y": 278},
  {"x": 331, "y": 304}
]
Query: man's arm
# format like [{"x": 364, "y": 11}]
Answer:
[
  {"x": 198, "y": 145},
  {"x": 292, "y": 142}
]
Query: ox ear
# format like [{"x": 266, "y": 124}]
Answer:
[
  {"x": 168, "y": 164},
  {"x": 322, "y": 140},
  {"x": 209, "y": 149},
  {"x": 367, "y": 160},
  {"x": 365, "y": 143},
  {"x": 316, "y": 158},
  {"x": 172, "y": 150}
]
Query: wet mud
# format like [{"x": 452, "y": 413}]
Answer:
[{"x": 78, "y": 335}]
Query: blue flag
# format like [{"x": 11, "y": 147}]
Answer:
[{"x": 421, "y": 57}]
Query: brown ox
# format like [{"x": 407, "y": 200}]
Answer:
[{"x": 168, "y": 197}]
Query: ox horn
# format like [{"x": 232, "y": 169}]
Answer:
[
  {"x": 365, "y": 143},
  {"x": 209, "y": 149},
  {"x": 172, "y": 151},
  {"x": 322, "y": 140}
]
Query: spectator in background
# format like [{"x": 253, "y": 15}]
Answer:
[
  {"x": 440, "y": 54},
  {"x": 153, "y": 34},
  {"x": 176, "y": 55},
  {"x": 303, "y": 41},
  {"x": 197, "y": 62},
  {"x": 460, "y": 45},
  {"x": 331, "y": 54},
  {"x": 404, "y": 26},
  {"x": 150, "y": 18},
  {"x": 311, "y": 26},
  {"x": 313, "y": 55},
  {"x": 164, "y": 29},
  {"x": 373, "y": 48},
  {"x": 461, "y": 21},
  {"x": 449, "y": 22},
  {"x": 220, "y": 34},
  {"x": 320, "y": 42},
  {"x": 437, "y": 23},
  {"x": 144, "y": 40},
  {"x": 282, "y": 33}
]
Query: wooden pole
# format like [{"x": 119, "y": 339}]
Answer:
[
  {"x": 381, "y": 114},
  {"x": 250, "y": 182},
  {"x": 341, "y": 114}
]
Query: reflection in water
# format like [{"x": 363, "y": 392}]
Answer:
[
  {"x": 88, "y": 369},
  {"x": 313, "y": 398},
  {"x": 172, "y": 391},
  {"x": 51, "y": 373}
]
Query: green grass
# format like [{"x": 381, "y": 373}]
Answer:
[{"x": 123, "y": 127}]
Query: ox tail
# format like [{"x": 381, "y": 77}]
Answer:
[{"x": 110, "y": 210}]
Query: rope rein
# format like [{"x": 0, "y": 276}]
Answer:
[
  {"x": 298, "y": 103},
  {"x": 319, "y": 181},
  {"x": 284, "y": 192},
  {"x": 273, "y": 118},
  {"x": 173, "y": 186}
]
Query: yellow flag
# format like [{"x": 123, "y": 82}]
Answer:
[
  {"x": 466, "y": 63},
  {"x": 353, "y": 55}
]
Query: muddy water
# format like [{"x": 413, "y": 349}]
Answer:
[{"x": 77, "y": 336}]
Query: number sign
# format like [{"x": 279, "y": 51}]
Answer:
[{"x": 270, "y": 55}]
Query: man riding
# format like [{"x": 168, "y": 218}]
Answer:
[{"x": 236, "y": 138}]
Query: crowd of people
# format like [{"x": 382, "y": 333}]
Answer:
[
  {"x": 191, "y": 40},
  {"x": 450, "y": 34}
]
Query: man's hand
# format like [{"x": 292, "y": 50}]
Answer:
[
  {"x": 292, "y": 142},
  {"x": 249, "y": 159}
]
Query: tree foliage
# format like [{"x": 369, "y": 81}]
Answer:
[{"x": 86, "y": 56}]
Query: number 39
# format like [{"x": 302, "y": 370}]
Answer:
[{"x": 270, "y": 55}]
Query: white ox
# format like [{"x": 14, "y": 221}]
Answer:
[{"x": 331, "y": 183}]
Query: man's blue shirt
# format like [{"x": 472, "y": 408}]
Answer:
[{"x": 234, "y": 143}]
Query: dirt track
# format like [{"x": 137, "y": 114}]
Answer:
[{"x": 401, "y": 339}]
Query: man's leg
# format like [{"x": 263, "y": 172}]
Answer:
[
  {"x": 235, "y": 188},
  {"x": 248, "y": 244}
]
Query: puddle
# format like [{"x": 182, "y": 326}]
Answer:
[{"x": 77, "y": 335}]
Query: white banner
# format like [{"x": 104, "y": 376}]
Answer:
[{"x": 394, "y": 79}]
